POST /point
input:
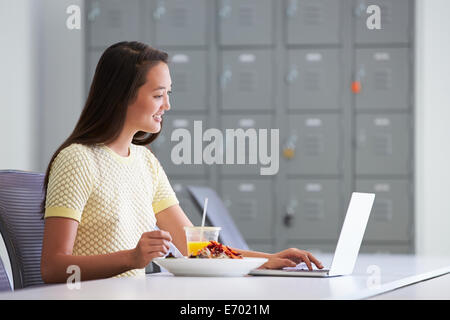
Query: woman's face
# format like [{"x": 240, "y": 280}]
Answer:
[{"x": 145, "y": 114}]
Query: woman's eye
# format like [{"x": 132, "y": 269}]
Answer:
[{"x": 158, "y": 97}]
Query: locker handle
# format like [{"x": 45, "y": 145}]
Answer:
[
  {"x": 292, "y": 8},
  {"x": 93, "y": 14},
  {"x": 292, "y": 75},
  {"x": 225, "y": 11},
  {"x": 225, "y": 78},
  {"x": 159, "y": 12},
  {"x": 290, "y": 213}
]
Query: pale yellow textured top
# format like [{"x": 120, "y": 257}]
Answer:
[{"x": 114, "y": 199}]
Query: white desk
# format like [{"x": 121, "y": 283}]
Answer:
[{"x": 394, "y": 271}]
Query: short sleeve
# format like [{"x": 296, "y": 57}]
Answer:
[
  {"x": 69, "y": 185},
  {"x": 164, "y": 196}
]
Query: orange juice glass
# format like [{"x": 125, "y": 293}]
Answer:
[{"x": 199, "y": 237}]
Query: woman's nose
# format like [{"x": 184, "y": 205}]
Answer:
[{"x": 166, "y": 104}]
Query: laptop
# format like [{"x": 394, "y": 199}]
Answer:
[{"x": 348, "y": 245}]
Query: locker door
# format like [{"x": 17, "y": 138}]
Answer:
[
  {"x": 246, "y": 80},
  {"x": 245, "y": 122},
  {"x": 317, "y": 143},
  {"x": 313, "y": 79},
  {"x": 245, "y": 22},
  {"x": 189, "y": 85},
  {"x": 186, "y": 203},
  {"x": 383, "y": 144},
  {"x": 314, "y": 207},
  {"x": 250, "y": 204},
  {"x": 390, "y": 219},
  {"x": 312, "y": 21},
  {"x": 384, "y": 76},
  {"x": 162, "y": 146},
  {"x": 180, "y": 22},
  {"x": 111, "y": 21},
  {"x": 395, "y": 25}
]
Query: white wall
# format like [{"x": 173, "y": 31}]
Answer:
[
  {"x": 18, "y": 127},
  {"x": 42, "y": 80},
  {"x": 41, "y": 83},
  {"x": 433, "y": 127}
]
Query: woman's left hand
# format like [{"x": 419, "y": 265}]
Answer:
[{"x": 290, "y": 258}]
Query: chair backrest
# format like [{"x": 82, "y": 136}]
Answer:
[
  {"x": 217, "y": 215},
  {"x": 21, "y": 224},
  {"x": 4, "y": 280}
]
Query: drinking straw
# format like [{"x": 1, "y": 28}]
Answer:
[{"x": 203, "y": 218}]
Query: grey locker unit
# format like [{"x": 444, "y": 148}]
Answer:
[
  {"x": 317, "y": 144},
  {"x": 313, "y": 209},
  {"x": 313, "y": 79},
  {"x": 186, "y": 203},
  {"x": 288, "y": 65},
  {"x": 163, "y": 145},
  {"x": 261, "y": 247},
  {"x": 92, "y": 60},
  {"x": 250, "y": 203},
  {"x": 189, "y": 79},
  {"x": 245, "y": 122},
  {"x": 387, "y": 248},
  {"x": 111, "y": 21},
  {"x": 317, "y": 249},
  {"x": 395, "y": 21},
  {"x": 245, "y": 22},
  {"x": 246, "y": 80},
  {"x": 384, "y": 75},
  {"x": 312, "y": 21},
  {"x": 390, "y": 219},
  {"x": 383, "y": 144},
  {"x": 180, "y": 22}
]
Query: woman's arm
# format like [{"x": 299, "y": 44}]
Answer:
[
  {"x": 57, "y": 246},
  {"x": 173, "y": 220}
]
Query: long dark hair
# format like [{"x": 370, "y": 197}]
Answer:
[{"x": 120, "y": 72}]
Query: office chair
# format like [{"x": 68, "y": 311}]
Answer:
[
  {"x": 217, "y": 215},
  {"x": 4, "y": 280},
  {"x": 21, "y": 225}
]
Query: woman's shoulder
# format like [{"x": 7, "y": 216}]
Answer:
[{"x": 75, "y": 152}]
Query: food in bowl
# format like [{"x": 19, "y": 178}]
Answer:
[{"x": 216, "y": 250}]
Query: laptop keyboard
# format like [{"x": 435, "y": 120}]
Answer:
[{"x": 303, "y": 267}]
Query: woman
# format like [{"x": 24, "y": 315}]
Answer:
[{"x": 105, "y": 191}]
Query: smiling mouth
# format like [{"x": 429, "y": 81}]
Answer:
[{"x": 158, "y": 117}]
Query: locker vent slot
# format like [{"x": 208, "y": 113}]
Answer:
[
  {"x": 383, "y": 144},
  {"x": 247, "y": 208},
  {"x": 246, "y": 16},
  {"x": 314, "y": 144},
  {"x": 386, "y": 14},
  {"x": 246, "y": 81},
  {"x": 382, "y": 79},
  {"x": 114, "y": 19},
  {"x": 179, "y": 17},
  {"x": 181, "y": 81},
  {"x": 382, "y": 210},
  {"x": 313, "y": 209},
  {"x": 312, "y": 80},
  {"x": 313, "y": 15}
]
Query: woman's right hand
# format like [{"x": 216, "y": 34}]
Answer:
[{"x": 152, "y": 244}]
